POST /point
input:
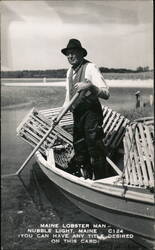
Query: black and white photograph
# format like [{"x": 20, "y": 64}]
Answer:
[{"x": 77, "y": 125}]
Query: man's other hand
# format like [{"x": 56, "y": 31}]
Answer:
[{"x": 79, "y": 86}]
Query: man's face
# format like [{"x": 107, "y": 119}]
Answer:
[{"x": 74, "y": 56}]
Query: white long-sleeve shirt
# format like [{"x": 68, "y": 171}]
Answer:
[{"x": 92, "y": 74}]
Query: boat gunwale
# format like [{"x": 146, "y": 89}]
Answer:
[
  {"x": 57, "y": 172},
  {"x": 88, "y": 184}
]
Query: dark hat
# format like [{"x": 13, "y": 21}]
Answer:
[{"x": 74, "y": 44}]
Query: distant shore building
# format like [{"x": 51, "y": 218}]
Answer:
[{"x": 44, "y": 79}]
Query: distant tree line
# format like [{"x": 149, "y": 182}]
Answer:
[
  {"x": 53, "y": 73},
  {"x": 123, "y": 70},
  {"x": 61, "y": 73}
]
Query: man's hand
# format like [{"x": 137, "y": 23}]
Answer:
[
  {"x": 104, "y": 93},
  {"x": 79, "y": 86}
]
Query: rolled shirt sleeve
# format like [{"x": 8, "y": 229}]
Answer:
[{"x": 94, "y": 75}]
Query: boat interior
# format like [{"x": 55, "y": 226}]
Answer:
[{"x": 129, "y": 145}]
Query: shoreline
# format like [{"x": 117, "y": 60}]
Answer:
[
  {"x": 16, "y": 97},
  {"x": 137, "y": 83},
  {"x": 13, "y": 106}
]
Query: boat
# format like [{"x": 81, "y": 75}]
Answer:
[{"x": 125, "y": 198}]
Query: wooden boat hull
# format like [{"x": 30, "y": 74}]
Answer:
[
  {"x": 130, "y": 210},
  {"x": 125, "y": 201}
]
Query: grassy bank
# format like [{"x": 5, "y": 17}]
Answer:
[
  {"x": 138, "y": 113},
  {"x": 36, "y": 96},
  {"x": 127, "y": 76},
  {"x": 46, "y": 97}
]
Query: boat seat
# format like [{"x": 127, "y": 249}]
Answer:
[{"x": 139, "y": 154}]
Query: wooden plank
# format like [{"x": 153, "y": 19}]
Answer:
[
  {"x": 127, "y": 164},
  {"x": 134, "y": 170},
  {"x": 144, "y": 119},
  {"x": 115, "y": 130},
  {"x": 45, "y": 125},
  {"x": 123, "y": 129},
  {"x": 43, "y": 119},
  {"x": 49, "y": 113},
  {"x": 105, "y": 110},
  {"x": 40, "y": 117},
  {"x": 51, "y": 158},
  {"x": 44, "y": 129},
  {"x": 51, "y": 110},
  {"x": 137, "y": 165},
  {"x": 52, "y": 142},
  {"x": 118, "y": 137},
  {"x": 66, "y": 123},
  {"x": 66, "y": 117},
  {"x": 107, "y": 116},
  {"x": 148, "y": 123},
  {"x": 63, "y": 138},
  {"x": 49, "y": 138},
  {"x": 126, "y": 169},
  {"x": 137, "y": 162},
  {"x": 64, "y": 133},
  {"x": 131, "y": 150},
  {"x": 129, "y": 161},
  {"x": 24, "y": 121},
  {"x": 34, "y": 127},
  {"x": 150, "y": 142},
  {"x": 38, "y": 130},
  {"x": 109, "y": 133},
  {"x": 146, "y": 155},
  {"x": 30, "y": 132},
  {"x": 63, "y": 122},
  {"x": 109, "y": 122},
  {"x": 140, "y": 155},
  {"x": 114, "y": 166}
]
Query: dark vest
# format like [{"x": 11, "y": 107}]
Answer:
[
  {"x": 87, "y": 100},
  {"x": 79, "y": 77}
]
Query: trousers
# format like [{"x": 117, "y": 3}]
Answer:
[{"x": 88, "y": 141}]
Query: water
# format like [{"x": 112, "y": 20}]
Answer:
[
  {"x": 112, "y": 83},
  {"x": 32, "y": 200}
]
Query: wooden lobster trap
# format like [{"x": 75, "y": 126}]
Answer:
[
  {"x": 34, "y": 127},
  {"x": 139, "y": 154},
  {"x": 114, "y": 125}
]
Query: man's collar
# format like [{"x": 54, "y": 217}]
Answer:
[{"x": 79, "y": 65}]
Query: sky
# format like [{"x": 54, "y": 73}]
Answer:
[{"x": 115, "y": 33}]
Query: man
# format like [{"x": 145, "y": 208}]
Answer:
[{"x": 84, "y": 77}]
